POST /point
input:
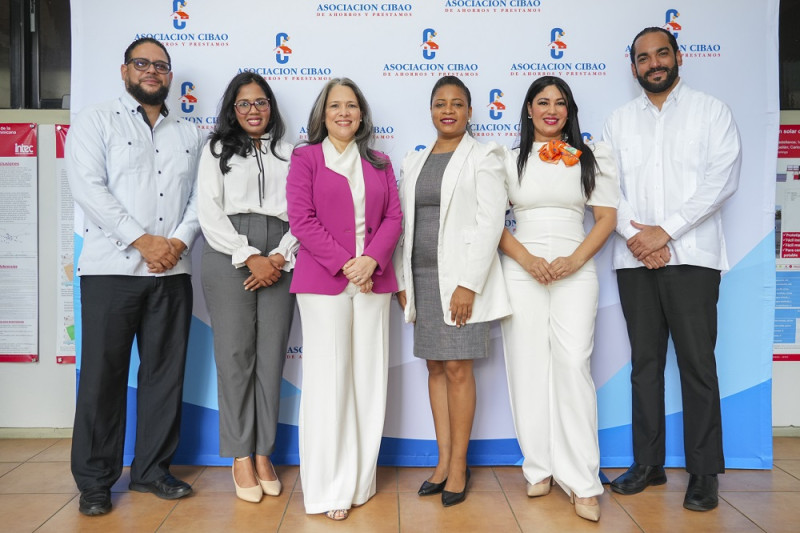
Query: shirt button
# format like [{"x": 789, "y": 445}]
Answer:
[
  {"x": 159, "y": 172},
  {"x": 119, "y": 243},
  {"x": 161, "y": 194},
  {"x": 160, "y": 219}
]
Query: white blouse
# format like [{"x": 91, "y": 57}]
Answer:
[
  {"x": 237, "y": 192},
  {"x": 348, "y": 164}
]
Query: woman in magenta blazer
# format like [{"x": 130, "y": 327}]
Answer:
[{"x": 344, "y": 209}]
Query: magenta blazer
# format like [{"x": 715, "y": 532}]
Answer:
[{"x": 322, "y": 217}]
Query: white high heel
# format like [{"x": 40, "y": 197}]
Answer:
[
  {"x": 585, "y": 510},
  {"x": 248, "y": 494},
  {"x": 270, "y": 488}
]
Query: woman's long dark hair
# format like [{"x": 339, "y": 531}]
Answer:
[
  {"x": 230, "y": 135},
  {"x": 317, "y": 131},
  {"x": 572, "y": 130}
]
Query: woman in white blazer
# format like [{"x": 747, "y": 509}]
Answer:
[{"x": 449, "y": 275}]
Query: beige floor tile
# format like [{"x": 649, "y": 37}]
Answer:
[
  {"x": 790, "y": 466},
  {"x": 130, "y": 512},
  {"x": 782, "y": 448},
  {"x": 215, "y": 511},
  {"x": 19, "y": 450},
  {"x": 482, "y": 511},
  {"x": 378, "y": 515},
  {"x": 59, "y": 451},
  {"x": 409, "y": 478},
  {"x": 23, "y": 512},
  {"x": 775, "y": 512},
  {"x": 7, "y": 467},
  {"x": 387, "y": 479},
  {"x": 554, "y": 513},
  {"x": 663, "y": 512},
  {"x": 39, "y": 478},
  {"x": 511, "y": 479},
  {"x": 758, "y": 480}
]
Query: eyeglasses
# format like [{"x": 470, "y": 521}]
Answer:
[
  {"x": 140, "y": 63},
  {"x": 243, "y": 106}
]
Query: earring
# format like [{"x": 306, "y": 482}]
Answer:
[
  {"x": 564, "y": 136},
  {"x": 530, "y": 116}
]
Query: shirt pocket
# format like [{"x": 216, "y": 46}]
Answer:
[
  {"x": 694, "y": 151},
  {"x": 129, "y": 155},
  {"x": 629, "y": 154}
]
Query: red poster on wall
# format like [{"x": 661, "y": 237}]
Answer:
[{"x": 19, "y": 255}]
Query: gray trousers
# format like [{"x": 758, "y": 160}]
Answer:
[{"x": 251, "y": 330}]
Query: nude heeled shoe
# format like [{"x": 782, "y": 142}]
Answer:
[
  {"x": 270, "y": 488},
  {"x": 585, "y": 510},
  {"x": 540, "y": 489},
  {"x": 248, "y": 494}
]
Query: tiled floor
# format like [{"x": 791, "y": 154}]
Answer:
[{"x": 37, "y": 494}]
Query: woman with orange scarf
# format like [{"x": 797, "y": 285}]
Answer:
[{"x": 553, "y": 289}]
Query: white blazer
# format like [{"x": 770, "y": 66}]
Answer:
[{"x": 471, "y": 220}]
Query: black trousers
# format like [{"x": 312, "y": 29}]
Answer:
[
  {"x": 157, "y": 311},
  {"x": 682, "y": 301}
]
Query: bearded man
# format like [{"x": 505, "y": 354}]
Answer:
[
  {"x": 679, "y": 155},
  {"x": 132, "y": 170}
]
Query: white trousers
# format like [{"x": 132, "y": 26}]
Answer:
[
  {"x": 343, "y": 401},
  {"x": 548, "y": 342}
]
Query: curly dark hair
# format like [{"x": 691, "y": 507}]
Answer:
[{"x": 230, "y": 135}]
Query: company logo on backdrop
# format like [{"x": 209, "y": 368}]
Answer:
[
  {"x": 587, "y": 137},
  {"x": 430, "y": 51},
  {"x": 189, "y": 105},
  {"x": 187, "y": 99},
  {"x": 498, "y": 128},
  {"x": 179, "y": 16},
  {"x": 557, "y": 46},
  {"x": 670, "y": 22},
  {"x": 288, "y": 73},
  {"x": 704, "y": 49},
  {"x": 282, "y": 51},
  {"x": 365, "y": 10},
  {"x": 173, "y": 38},
  {"x": 428, "y": 46},
  {"x": 559, "y": 62},
  {"x": 492, "y": 6},
  {"x": 294, "y": 352},
  {"x": 496, "y": 107}
]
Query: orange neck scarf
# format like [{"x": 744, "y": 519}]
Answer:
[{"x": 555, "y": 151}]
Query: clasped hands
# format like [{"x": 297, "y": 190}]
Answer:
[
  {"x": 650, "y": 245},
  {"x": 159, "y": 253},
  {"x": 547, "y": 272},
  {"x": 358, "y": 271},
  {"x": 264, "y": 270}
]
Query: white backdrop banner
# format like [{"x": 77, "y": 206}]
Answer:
[{"x": 396, "y": 52}]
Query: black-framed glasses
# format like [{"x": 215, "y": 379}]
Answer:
[
  {"x": 243, "y": 106},
  {"x": 140, "y": 63}
]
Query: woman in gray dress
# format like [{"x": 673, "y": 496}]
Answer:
[{"x": 450, "y": 281}]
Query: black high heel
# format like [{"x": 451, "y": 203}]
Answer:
[
  {"x": 429, "y": 488},
  {"x": 452, "y": 498}
]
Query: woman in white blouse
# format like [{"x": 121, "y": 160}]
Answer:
[
  {"x": 246, "y": 269},
  {"x": 552, "y": 286}
]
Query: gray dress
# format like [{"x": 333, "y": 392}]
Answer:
[{"x": 433, "y": 338}]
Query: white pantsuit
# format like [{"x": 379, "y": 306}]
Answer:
[
  {"x": 345, "y": 373},
  {"x": 548, "y": 339}
]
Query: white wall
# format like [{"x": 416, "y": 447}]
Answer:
[{"x": 40, "y": 395}]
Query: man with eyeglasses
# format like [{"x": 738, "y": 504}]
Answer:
[{"x": 132, "y": 170}]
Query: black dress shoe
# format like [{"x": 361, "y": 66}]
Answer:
[
  {"x": 702, "y": 493},
  {"x": 167, "y": 487},
  {"x": 452, "y": 498},
  {"x": 95, "y": 501},
  {"x": 429, "y": 488},
  {"x": 639, "y": 477}
]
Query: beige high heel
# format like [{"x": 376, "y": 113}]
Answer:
[
  {"x": 540, "y": 489},
  {"x": 585, "y": 510},
  {"x": 248, "y": 494},
  {"x": 270, "y": 488}
]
